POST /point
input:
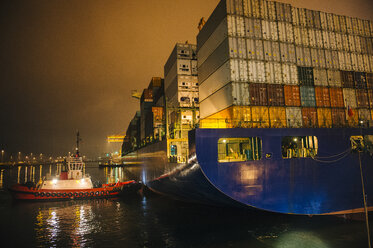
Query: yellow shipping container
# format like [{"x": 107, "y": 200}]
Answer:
[
  {"x": 260, "y": 117},
  {"x": 371, "y": 114},
  {"x": 232, "y": 117},
  {"x": 324, "y": 116},
  {"x": 352, "y": 117},
  {"x": 277, "y": 116}
]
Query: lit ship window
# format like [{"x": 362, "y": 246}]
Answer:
[
  {"x": 299, "y": 146},
  {"x": 239, "y": 149}
]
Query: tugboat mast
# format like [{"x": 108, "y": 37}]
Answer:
[{"x": 77, "y": 144}]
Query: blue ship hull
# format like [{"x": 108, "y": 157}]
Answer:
[{"x": 292, "y": 186}]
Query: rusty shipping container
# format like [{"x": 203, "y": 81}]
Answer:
[
  {"x": 292, "y": 95},
  {"x": 360, "y": 80},
  {"x": 324, "y": 117},
  {"x": 322, "y": 97},
  {"x": 347, "y": 79},
  {"x": 258, "y": 94},
  {"x": 275, "y": 95},
  {"x": 309, "y": 116},
  {"x": 338, "y": 117},
  {"x": 336, "y": 97}
]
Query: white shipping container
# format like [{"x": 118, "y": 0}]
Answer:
[
  {"x": 320, "y": 77},
  {"x": 259, "y": 49},
  {"x": 357, "y": 44},
  {"x": 256, "y": 8},
  {"x": 291, "y": 53},
  {"x": 302, "y": 17},
  {"x": 289, "y": 32},
  {"x": 263, "y": 9},
  {"x": 349, "y": 98},
  {"x": 355, "y": 26},
  {"x": 321, "y": 55},
  {"x": 287, "y": 10},
  {"x": 280, "y": 12},
  {"x": 325, "y": 37},
  {"x": 315, "y": 57},
  {"x": 230, "y": 7},
  {"x": 342, "y": 23},
  {"x": 266, "y": 30},
  {"x": 319, "y": 39},
  {"x": 256, "y": 71},
  {"x": 215, "y": 81},
  {"x": 235, "y": 70},
  {"x": 299, "y": 55},
  {"x": 244, "y": 77},
  {"x": 360, "y": 62},
  {"x": 233, "y": 47},
  {"x": 231, "y": 94},
  {"x": 345, "y": 43},
  {"x": 338, "y": 40},
  {"x": 337, "y": 26},
  {"x": 351, "y": 43},
  {"x": 275, "y": 51},
  {"x": 342, "y": 61},
  {"x": 348, "y": 61},
  {"x": 334, "y": 78},
  {"x": 310, "y": 18},
  {"x": 232, "y": 31},
  {"x": 333, "y": 43},
  {"x": 335, "y": 59},
  {"x": 307, "y": 56},
  {"x": 240, "y": 26},
  {"x": 304, "y": 34},
  {"x": 364, "y": 45},
  {"x": 274, "y": 30},
  {"x": 295, "y": 15},
  {"x": 366, "y": 63},
  {"x": 297, "y": 36},
  {"x": 250, "y": 47},
  {"x": 324, "y": 22},
  {"x": 349, "y": 25},
  {"x": 286, "y": 77},
  {"x": 294, "y": 117},
  {"x": 282, "y": 31},
  {"x": 371, "y": 62},
  {"x": 284, "y": 52},
  {"x": 328, "y": 59},
  {"x": 278, "y": 73},
  {"x": 270, "y": 72},
  {"x": 293, "y": 74},
  {"x": 360, "y": 26},
  {"x": 366, "y": 28},
  {"x": 312, "y": 37},
  {"x": 329, "y": 18},
  {"x": 267, "y": 45},
  {"x": 242, "y": 53},
  {"x": 247, "y": 9},
  {"x": 238, "y": 4},
  {"x": 354, "y": 63},
  {"x": 253, "y": 28},
  {"x": 271, "y": 10}
]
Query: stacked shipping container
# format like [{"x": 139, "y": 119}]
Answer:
[{"x": 312, "y": 68}]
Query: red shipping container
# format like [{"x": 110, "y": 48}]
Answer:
[
  {"x": 322, "y": 97},
  {"x": 336, "y": 97},
  {"x": 292, "y": 95},
  {"x": 258, "y": 94},
  {"x": 309, "y": 116},
  {"x": 275, "y": 95},
  {"x": 338, "y": 117},
  {"x": 362, "y": 98}
]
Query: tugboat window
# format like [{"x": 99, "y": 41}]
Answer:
[
  {"x": 299, "y": 146},
  {"x": 239, "y": 149}
]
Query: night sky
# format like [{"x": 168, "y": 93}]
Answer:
[{"x": 69, "y": 65}]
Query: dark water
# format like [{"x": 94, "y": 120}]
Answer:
[{"x": 155, "y": 221}]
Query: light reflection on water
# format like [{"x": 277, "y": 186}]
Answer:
[{"x": 154, "y": 221}]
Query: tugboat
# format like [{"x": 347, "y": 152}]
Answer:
[{"x": 69, "y": 184}]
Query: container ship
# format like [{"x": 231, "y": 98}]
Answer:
[{"x": 270, "y": 110}]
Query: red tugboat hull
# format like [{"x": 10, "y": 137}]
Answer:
[{"x": 21, "y": 192}]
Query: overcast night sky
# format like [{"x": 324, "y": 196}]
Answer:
[{"x": 68, "y": 65}]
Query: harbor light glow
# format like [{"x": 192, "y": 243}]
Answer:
[{"x": 54, "y": 181}]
